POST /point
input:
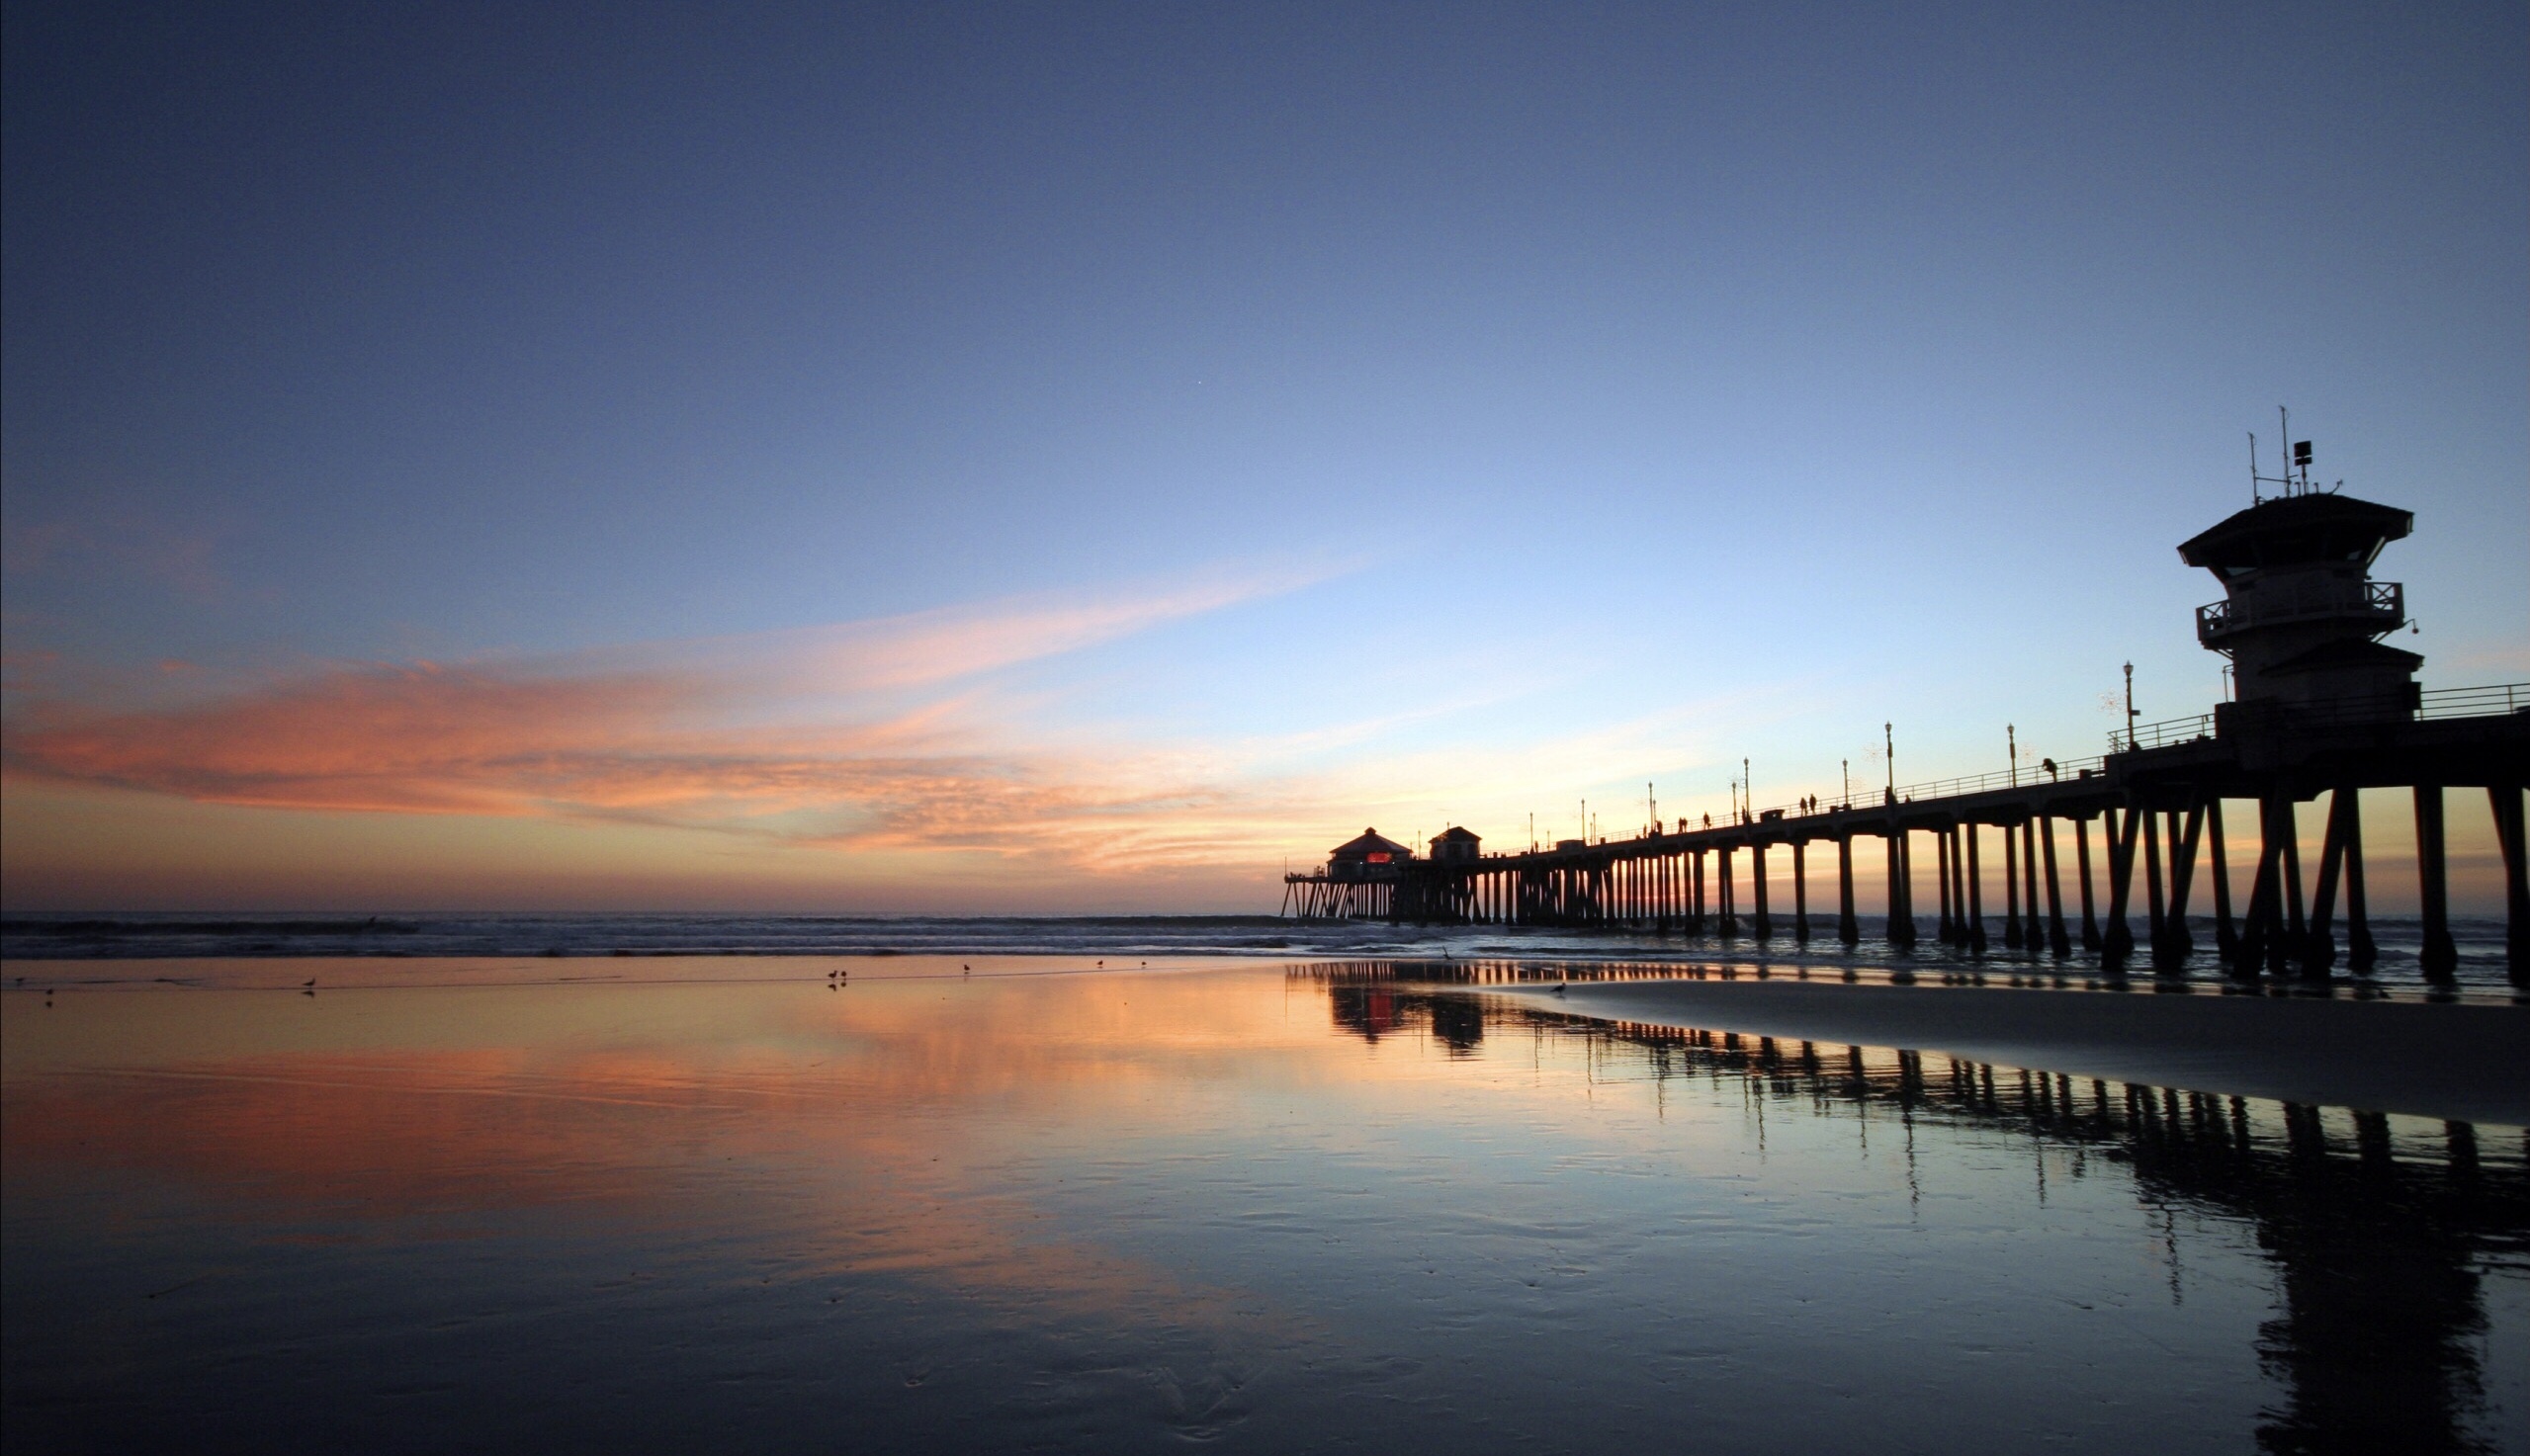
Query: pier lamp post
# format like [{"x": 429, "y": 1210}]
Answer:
[
  {"x": 1888, "y": 754},
  {"x": 2129, "y": 706},
  {"x": 2012, "y": 754}
]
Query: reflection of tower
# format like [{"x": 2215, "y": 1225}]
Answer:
[
  {"x": 2300, "y": 617},
  {"x": 2382, "y": 1311}
]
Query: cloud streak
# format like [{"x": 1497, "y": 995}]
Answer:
[{"x": 882, "y": 734}]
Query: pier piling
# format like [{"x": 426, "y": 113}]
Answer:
[{"x": 2440, "y": 956}]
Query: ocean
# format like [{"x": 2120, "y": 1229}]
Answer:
[{"x": 109, "y": 939}]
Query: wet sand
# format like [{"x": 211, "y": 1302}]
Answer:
[{"x": 2458, "y": 1063}]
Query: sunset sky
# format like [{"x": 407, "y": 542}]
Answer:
[{"x": 980, "y": 458}]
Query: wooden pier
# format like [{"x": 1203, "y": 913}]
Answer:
[{"x": 2324, "y": 710}]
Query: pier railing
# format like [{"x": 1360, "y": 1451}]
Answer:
[
  {"x": 2482, "y": 702},
  {"x": 2048, "y": 771},
  {"x": 2163, "y": 735},
  {"x": 2510, "y": 696}
]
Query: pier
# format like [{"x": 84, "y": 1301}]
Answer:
[{"x": 2323, "y": 709}]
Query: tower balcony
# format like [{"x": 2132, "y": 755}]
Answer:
[{"x": 2370, "y": 608}]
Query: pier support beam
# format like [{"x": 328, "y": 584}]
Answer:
[
  {"x": 1729, "y": 897},
  {"x": 1945, "y": 923},
  {"x": 2059, "y": 944},
  {"x": 1765, "y": 922},
  {"x": 2441, "y": 958},
  {"x": 2156, "y": 916},
  {"x": 2117, "y": 943},
  {"x": 1800, "y": 891},
  {"x": 2028, "y": 882},
  {"x": 2011, "y": 892},
  {"x": 1959, "y": 886},
  {"x": 2227, "y": 938},
  {"x": 2319, "y": 944},
  {"x": 2184, "y": 837},
  {"x": 1976, "y": 893},
  {"x": 2510, "y": 835},
  {"x": 2264, "y": 938},
  {"x": 2288, "y": 825},
  {"x": 2360, "y": 952},
  {"x": 1847, "y": 930},
  {"x": 2082, "y": 869},
  {"x": 1901, "y": 906}
]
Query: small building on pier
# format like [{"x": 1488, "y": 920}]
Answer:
[
  {"x": 1368, "y": 857},
  {"x": 1457, "y": 846}
]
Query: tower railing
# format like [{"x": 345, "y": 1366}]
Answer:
[{"x": 2380, "y": 607}]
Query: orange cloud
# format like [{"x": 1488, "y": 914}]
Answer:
[{"x": 884, "y": 750}]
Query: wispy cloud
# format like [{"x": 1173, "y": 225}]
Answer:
[
  {"x": 905, "y": 736},
  {"x": 881, "y": 734}
]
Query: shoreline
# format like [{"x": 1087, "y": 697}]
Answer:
[{"x": 2458, "y": 1063}]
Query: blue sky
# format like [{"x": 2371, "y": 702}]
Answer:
[{"x": 1353, "y": 413}]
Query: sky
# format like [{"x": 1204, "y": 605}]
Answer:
[{"x": 1002, "y": 458}]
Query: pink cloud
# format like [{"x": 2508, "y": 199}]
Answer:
[{"x": 692, "y": 735}]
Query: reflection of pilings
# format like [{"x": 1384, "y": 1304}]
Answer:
[{"x": 2375, "y": 1247}]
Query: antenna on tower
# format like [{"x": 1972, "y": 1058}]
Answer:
[{"x": 2297, "y": 456}]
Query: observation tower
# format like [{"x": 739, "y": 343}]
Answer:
[{"x": 2300, "y": 617}]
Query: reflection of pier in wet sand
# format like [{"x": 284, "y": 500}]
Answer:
[{"x": 2376, "y": 1227}]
